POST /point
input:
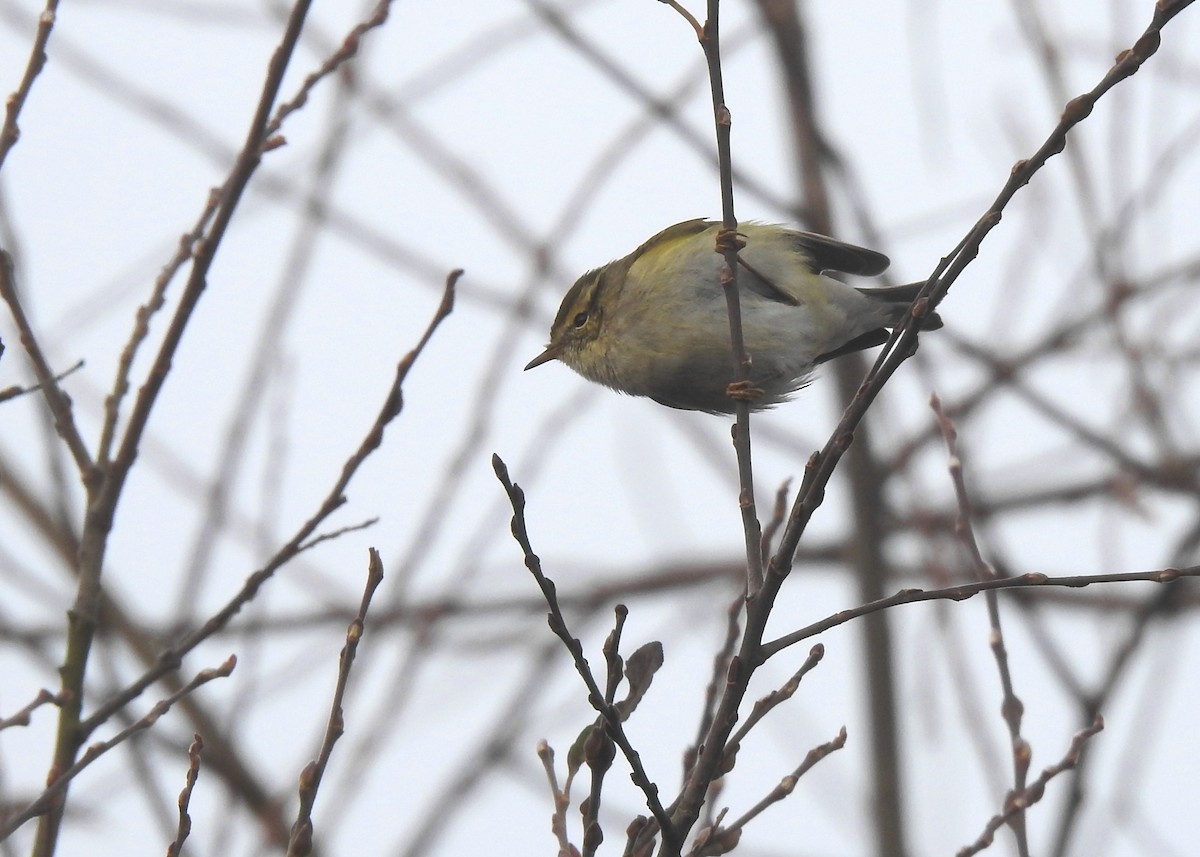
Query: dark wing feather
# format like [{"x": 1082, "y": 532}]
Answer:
[
  {"x": 859, "y": 343},
  {"x": 828, "y": 254}
]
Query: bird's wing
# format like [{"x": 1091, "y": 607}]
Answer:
[
  {"x": 828, "y": 254},
  {"x": 679, "y": 231}
]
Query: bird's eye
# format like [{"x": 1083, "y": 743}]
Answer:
[{"x": 580, "y": 320}]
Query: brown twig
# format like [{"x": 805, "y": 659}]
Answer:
[
  {"x": 104, "y": 486},
  {"x": 729, "y": 243},
  {"x": 141, "y": 326},
  {"x": 301, "y": 840},
  {"x": 900, "y": 346},
  {"x": 562, "y": 801},
  {"x": 320, "y": 538},
  {"x": 778, "y": 516},
  {"x": 23, "y": 717},
  {"x": 10, "y": 131},
  {"x": 15, "y": 392},
  {"x": 185, "y": 797},
  {"x": 720, "y": 670},
  {"x": 392, "y": 406},
  {"x": 344, "y": 53},
  {"x": 51, "y": 796},
  {"x": 969, "y": 590},
  {"x": 1016, "y": 802},
  {"x": 58, "y": 401},
  {"x": 775, "y": 698},
  {"x": 722, "y": 839},
  {"x": 686, "y": 809},
  {"x": 558, "y": 625},
  {"x": 1011, "y": 706},
  {"x": 598, "y": 747}
]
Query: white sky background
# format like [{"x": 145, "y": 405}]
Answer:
[{"x": 137, "y": 116}]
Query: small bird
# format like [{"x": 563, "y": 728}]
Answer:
[{"x": 655, "y": 323}]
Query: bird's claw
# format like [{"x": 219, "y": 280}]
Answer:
[
  {"x": 744, "y": 390},
  {"x": 730, "y": 239}
]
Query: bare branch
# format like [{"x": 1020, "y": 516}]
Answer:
[
  {"x": 185, "y": 797},
  {"x": 1011, "y": 706},
  {"x": 51, "y": 797},
  {"x": 969, "y": 590},
  {"x": 1017, "y": 802},
  {"x": 719, "y": 840},
  {"x": 59, "y": 401},
  {"x": 393, "y": 404},
  {"x": 300, "y": 842},
  {"x": 10, "y": 131},
  {"x": 558, "y": 625},
  {"x": 23, "y": 717},
  {"x": 15, "y": 392}
]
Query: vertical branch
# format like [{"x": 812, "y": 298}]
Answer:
[
  {"x": 1012, "y": 709},
  {"x": 760, "y": 594},
  {"x": 728, "y": 244},
  {"x": 104, "y": 491},
  {"x": 184, "y": 827},
  {"x": 300, "y": 841}
]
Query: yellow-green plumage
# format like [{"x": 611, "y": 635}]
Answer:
[{"x": 654, "y": 323}]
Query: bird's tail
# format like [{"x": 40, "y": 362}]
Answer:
[
  {"x": 900, "y": 297},
  {"x": 897, "y": 299}
]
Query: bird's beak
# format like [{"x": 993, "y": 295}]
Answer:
[{"x": 551, "y": 353}]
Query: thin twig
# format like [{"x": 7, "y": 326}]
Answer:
[
  {"x": 558, "y": 625},
  {"x": 23, "y": 717},
  {"x": 15, "y": 392},
  {"x": 776, "y": 697},
  {"x": 1011, "y": 707},
  {"x": 562, "y": 800},
  {"x": 778, "y": 516},
  {"x": 598, "y": 747},
  {"x": 338, "y": 533},
  {"x": 728, "y": 244},
  {"x": 185, "y": 797},
  {"x": 969, "y": 590},
  {"x": 723, "y": 839},
  {"x": 346, "y": 52},
  {"x": 301, "y": 839},
  {"x": 140, "y": 331},
  {"x": 1017, "y": 802},
  {"x": 720, "y": 671},
  {"x": 48, "y": 799},
  {"x": 59, "y": 401},
  {"x": 393, "y": 404},
  {"x": 903, "y": 340},
  {"x": 105, "y": 485},
  {"x": 10, "y": 131},
  {"x": 686, "y": 809}
]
